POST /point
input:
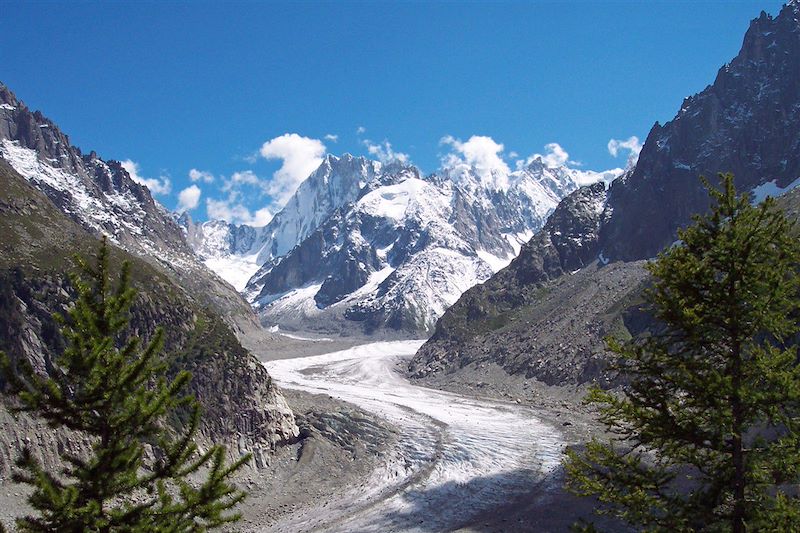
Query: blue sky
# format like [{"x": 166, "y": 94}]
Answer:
[{"x": 173, "y": 86}]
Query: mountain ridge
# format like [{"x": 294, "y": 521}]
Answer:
[
  {"x": 242, "y": 407},
  {"x": 747, "y": 121},
  {"x": 361, "y": 269},
  {"x": 103, "y": 198}
]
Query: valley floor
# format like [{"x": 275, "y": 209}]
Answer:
[
  {"x": 382, "y": 454},
  {"x": 456, "y": 462}
]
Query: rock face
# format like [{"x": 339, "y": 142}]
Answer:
[
  {"x": 243, "y": 409},
  {"x": 580, "y": 278},
  {"x": 101, "y": 196},
  {"x": 568, "y": 240},
  {"x": 747, "y": 122}
]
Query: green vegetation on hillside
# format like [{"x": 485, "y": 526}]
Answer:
[{"x": 105, "y": 385}]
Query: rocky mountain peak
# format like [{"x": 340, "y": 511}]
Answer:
[
  {"x": 747, "y": 122},
  {"x": 7, "y": 98},
  {"x": 569, "y": 239}
]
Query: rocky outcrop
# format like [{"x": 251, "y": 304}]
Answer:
[
  {"x": 242, "y": 407},
  {"x": 747, "y": 122}
]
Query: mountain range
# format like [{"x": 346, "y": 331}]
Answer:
[
  {"x": 526, "y": 270},
  {"x": 369, "y": 248}
]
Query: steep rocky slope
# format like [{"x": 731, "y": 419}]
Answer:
[
  {"x": 545, "y": 315},
  {"x": 747, "y": 122},
  {"x": 101, "y": 197},
  {"x": 242, "y": 408}
]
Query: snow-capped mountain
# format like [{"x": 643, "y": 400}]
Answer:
[
  {"x": 225, "y": 248},
  {"x": 101, "y": 196},
  {"x": 236, "y": 252},
  {"x": 364, "y": 246}
]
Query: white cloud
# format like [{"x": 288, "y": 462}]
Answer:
[
  {"x": 631, "y": 144},
  {"x": 587, "y": 177},
  {"x": 331, "y": 137},
  {"x": 480, "y": 153},
  {"x": 261, "y": 217},
  {"x": 237, "y": 179},
  {"x": 300, "y": 155},
  {"x": 384, "y": 152},
  {"x": 233, "y": 185},
  {"x": 237, "y": 213},
  {"x": 201, "y": 175},
  {"x": 188, "y": 198},
  {"x": 159, "y": 185},
  {"x": 360, "y": 130},
  {"x": 554, "y": 156}
]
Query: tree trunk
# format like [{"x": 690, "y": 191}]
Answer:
[{"x": 737, "y": 452}]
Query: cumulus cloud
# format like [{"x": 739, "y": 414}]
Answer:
[
  {"x": 237, "y": 179},
  {"x": 159, "y": 185},
  {"x": 554, "y": 156},
  {"x": 188, "y": 198},
  {"x": 384, "y": 152},
  {"x": 631, "y": 145},
  {"x": 237, "y": 213},
  {"x": 588, "y": 177},
  {"x": 480, "y": 153},
  {"x": 200, "y": 175},
  {"x": 331, "y": 137},
  {"x": 300, "y": 155}
]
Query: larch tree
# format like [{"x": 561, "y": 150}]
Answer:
[
  {"x": 705, "y": 436},
  {"x": 110, "y": 387}
]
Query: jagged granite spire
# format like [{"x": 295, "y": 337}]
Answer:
[{"x": 747, "y": 122}]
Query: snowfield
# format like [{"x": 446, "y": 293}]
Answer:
[{"x": 456, "y": 456}]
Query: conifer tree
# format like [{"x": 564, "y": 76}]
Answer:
[
  {"x": 109, "y": 387},
  {"x": 706, "y": 435}
]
